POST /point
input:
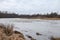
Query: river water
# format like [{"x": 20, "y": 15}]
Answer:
[{"x": 30, "y": 27}]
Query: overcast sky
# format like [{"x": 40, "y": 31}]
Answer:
[{"x": 30, "y": 6}]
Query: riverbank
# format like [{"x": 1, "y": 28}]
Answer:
[
  {"x": 50, "y": 18},
  {"x": 35, "y": 18},
  {"x": 7, "y": 33},
  {"x": 44, "y": 18}
]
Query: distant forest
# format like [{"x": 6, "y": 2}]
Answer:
[{"x": 14, "y": 15}]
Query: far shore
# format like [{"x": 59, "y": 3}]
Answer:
[
  {"x": 50, "y": 18},
  {"x": 46, "y": 18},
  {"x": 38, "y": 18}
]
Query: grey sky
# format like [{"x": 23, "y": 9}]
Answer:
[{"x": 30, "y": 6}]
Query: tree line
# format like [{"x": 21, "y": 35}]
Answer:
[{"x": 14, "y": 15}]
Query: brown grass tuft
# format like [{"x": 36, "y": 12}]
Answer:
[
  {"x": 52, "y": 38},
  {"x": 9, "y": 30},
  {"x": 7, "y": 33}
]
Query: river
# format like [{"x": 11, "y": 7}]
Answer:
[{"x": 30, "y": 27}]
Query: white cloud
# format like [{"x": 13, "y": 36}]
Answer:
[{"x": 30, "y": 6}]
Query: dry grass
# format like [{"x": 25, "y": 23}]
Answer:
[
  {"x": 50, "y": 18},
  {"x": 9, "y": 30},
  {"x": 57, "y": 38},
  {"x": 7, "y": 33},
  {"x": 52, "y": 38},
  {"x": 45, "y": 18}
]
